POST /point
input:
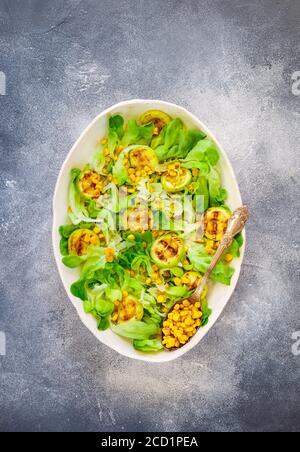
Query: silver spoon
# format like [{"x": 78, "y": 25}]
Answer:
[{"x": 235, "y": 225}]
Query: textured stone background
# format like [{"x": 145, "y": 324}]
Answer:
[{"x": 229, "y": 62}]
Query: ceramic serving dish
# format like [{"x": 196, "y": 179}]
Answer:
[{"x": 80, "y": 153}]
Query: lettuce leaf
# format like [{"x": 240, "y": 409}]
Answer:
[
  {"x": 136, "y": 134},
  {"x": 95, "y": 260},
  {"x": 119, "y": 170},
  {"x": 66, "y": 230},
  {"x": 135, "y": 329},
  {"x": 73, "y": 261},
  {"x": 78, "y": 289},
  {"x": 206, "y": 313},
  {"x": 151, "y": 308},
  {"x": 159, "y": 139},
  {"x": 201, "y": 261},
  {"x": 234, "y": 248},
  {"x": 115, "y": 131},
  {"x": 148, "y": 345},
  {"x": 217, "y": 194},
  {"x": 205, "y": 151},
  {"x": 177, "y": 141},
  {"x": 201, "y": 189}
]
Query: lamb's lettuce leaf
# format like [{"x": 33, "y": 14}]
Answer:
[
  {"x": 201, "y": 261},
  {"x": 176, "y": 142},
  {"x": 204, "y": 151},
  {"x": 148, "y": 345},
  {"x": 135, "y": 329},
  {"x": 137, "y": 134},
  {"x": 206, "y": 312},
  {"x": 115, "y": 131},
  {"x": 119, "y": 170},
  {"x": 217, "y": 194}
]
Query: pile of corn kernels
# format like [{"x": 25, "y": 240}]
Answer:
[{"x": 181, "y": 324}]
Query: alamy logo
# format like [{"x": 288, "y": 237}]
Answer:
[
  {"x": 2, "y": 344},
  {"x": 156, "y": 211},
  {"x": 2, "y": 84},
  {"x": 296, "y": 83}
]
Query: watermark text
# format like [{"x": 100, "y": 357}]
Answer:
[
  {"x": 296, "y": 83},
  {"x": 2, "y": 84},
  {"x": 2, "y": 344},
  {"x": 296, "y": 344}
]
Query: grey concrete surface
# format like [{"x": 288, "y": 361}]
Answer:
[{"x": 230, "y": 63}]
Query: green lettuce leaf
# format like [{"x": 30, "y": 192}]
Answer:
[
  {"x": 135, "y": 329},
  {"x": 204, "y": 151},
  {"x": 201, "y": 189},
  {"x": 115, "y": 131},
  {"x": 66, "y": 230},
  {"x": 73, "y": 261},
  {"x": 206, "y": 312},
  {"x": 148, "y": 345},
  {"x": 78, "y": 289},
  {"x": 217, "y": 194},
  {"x": 201, "y": 261},
  {"x": 103, "y": 324},
  {"x": 136, "y": 134},
  {"x": 119, "y": 170},
  {"x": 176, "y": 142}
]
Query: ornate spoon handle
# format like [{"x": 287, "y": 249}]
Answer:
[{"x": 236, "y": 224}]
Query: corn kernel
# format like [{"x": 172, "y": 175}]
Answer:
[
  {"x": 161, "y": 298},
  {"x": 177, "y": 281},
  {"x": 114, "y": 317},
  {"x": 228, "y": 258}
]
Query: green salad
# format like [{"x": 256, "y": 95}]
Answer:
[{"x": 146, "y": 215}]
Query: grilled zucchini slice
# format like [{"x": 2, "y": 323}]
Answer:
[
  {"x": 157, "y": 117},
  {"x": 176, "y": 178},
  {"x": 143, "y": 158},
  {"x": 89, "y": 184},
  {"x": 168, "y": 250},
  {"x": 215, "y": 223},
  {"x": 80, "y": 240},
  {"x": 129, "y": 308}
]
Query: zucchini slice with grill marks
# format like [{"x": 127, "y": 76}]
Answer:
[
  {"x": 215, "y": 223},
  {"x": 80, "y": 240},
  {"x": 176, "y": 178},
  {"x": 168, "y": 250},
  {"x": 129, "y": 308},
  {"x": 157, "y": 117},
  {"x": 89, "y": 184}
]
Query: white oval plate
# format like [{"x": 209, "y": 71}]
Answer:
[{"x": 80, "y": 153}]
